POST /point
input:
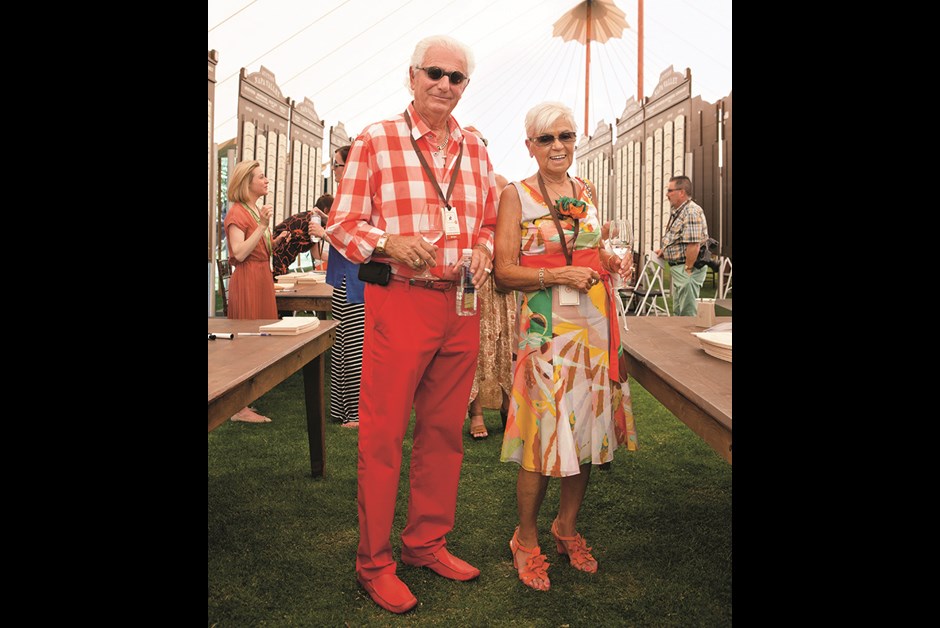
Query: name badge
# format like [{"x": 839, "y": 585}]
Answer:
[
  {"x": 568, "y": 296},
  {"x": 451, "y": 226}
]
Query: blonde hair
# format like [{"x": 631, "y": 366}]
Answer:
[
  {"x": 240, "y": 180},
  {"x": 444, "y": 41},
  {"x": 542, "y": 116}
]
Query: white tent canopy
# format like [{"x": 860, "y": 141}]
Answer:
[{"x": 350, "y": 58}]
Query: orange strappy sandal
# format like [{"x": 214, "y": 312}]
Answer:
[
  {"x": 535, "y": 573},
  {"x": 577, "y": 549}
]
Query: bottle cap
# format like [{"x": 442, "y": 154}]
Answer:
[{"x": 468, "y": 251}]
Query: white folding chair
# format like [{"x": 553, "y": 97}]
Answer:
[
  {"x": 724, "y": 278},
  {"x": 648, "y": 290}
]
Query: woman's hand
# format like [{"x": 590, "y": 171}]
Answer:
[
  {"x": 266, "y": 212},
  {"x": 284, "y": 235},
  {"x": 622, "y": 267},
  {"x": 316, "y": 230},
  {"x": 579, "y": 277}
]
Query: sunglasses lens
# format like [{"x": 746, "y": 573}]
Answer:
[
  {"x": 547, "y": 140},
  {"x": 435, "y": 74}
]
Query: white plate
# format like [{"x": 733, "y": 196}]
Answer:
[{"x": 716, "y": 344}]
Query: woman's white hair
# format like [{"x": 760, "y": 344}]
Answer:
[
  {"x": 543, "y": 115},
  {"x": 444, "y": 41}
]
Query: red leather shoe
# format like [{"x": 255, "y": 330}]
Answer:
[
  {"x": 443, "y": 563},
  {"x": 389, "y": 592}
]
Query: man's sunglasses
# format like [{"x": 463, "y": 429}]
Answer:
[
  {"x": 567, "y": 137},
  {"x": 435, "y": 74}
]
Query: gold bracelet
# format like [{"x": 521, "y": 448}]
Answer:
[
  {"x": 541, "y": 278},
  {"x": 483, "y": 248},
  {"x": 609, "y": 265}
]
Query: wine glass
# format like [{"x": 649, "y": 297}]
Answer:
[
  {"x": 431, "y": 228},
  {"x": 620, "y": 239}
]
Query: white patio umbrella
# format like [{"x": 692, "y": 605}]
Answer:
[{"x": 591, "y": 20}]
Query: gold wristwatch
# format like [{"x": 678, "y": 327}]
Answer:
[{"x": 380, "y": 245}]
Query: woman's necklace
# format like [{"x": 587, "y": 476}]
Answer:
[{"x": 554, "y": 191}]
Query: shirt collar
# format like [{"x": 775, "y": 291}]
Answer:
[
  {"x": 681, "y": 207},
  {"x": 419, "y": 128}
]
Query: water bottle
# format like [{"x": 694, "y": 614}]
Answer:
[
  {"x": 314, "y": 218},
  {"x": 466, "y": 292}
]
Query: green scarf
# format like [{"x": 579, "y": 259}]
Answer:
[{"x": 267, "y": 232}]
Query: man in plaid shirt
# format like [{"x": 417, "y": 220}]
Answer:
[
  {"x": 685, "y": 233},
  {"x": 417, "y": 351}
]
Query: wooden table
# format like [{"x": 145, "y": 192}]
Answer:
[
  {"x": 669, "y": 362},
  {"x": 308, "y": 297},
  {"x": 243, "y": 369}
]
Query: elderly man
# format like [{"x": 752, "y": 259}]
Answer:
[
  {"x": 685, "y": 233},
  {"x": 417, "y": 351}
]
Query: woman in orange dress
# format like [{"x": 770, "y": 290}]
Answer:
[
  {"x": 569, "y": 410},
  {"x": 251, "y": 288}
]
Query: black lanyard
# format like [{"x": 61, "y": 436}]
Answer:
[
  {"x": 551, "y": 208},
  {"x": 427, "y": 168},
  {"x": 675, "y": 215}
]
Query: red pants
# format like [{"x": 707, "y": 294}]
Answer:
[{"x": 416, "y": 351}]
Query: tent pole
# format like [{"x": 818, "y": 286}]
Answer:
[
  {"x": 639, "y": 53},
  {"x": 587, "y": 68}
]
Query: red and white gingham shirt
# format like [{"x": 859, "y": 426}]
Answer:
[{"x": 384, "y": 189}]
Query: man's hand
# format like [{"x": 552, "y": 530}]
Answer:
[
  {"x": 411, "y": 251},
  {"x": 480, "y": 266}
]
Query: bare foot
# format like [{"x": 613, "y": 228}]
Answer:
[
  {"x": 351, "y": 424},
  {"x": 247, "y": 415}
]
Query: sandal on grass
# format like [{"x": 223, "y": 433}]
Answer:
[
  {"x": 248, "y": 415},
  {"x": 577, "y": 550},
  {"x": 478, "y": 427},
  {"x": 534, "y": 574}
]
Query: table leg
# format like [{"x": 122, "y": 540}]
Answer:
[{"x": 314, "y": 400}]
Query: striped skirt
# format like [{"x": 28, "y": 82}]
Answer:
[{"x": 346, "y": 357}]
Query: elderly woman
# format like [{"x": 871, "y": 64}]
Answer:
[{"x": 568, "y": 411}]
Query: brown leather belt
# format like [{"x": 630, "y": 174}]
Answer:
[{"x": 431, "y": 284}]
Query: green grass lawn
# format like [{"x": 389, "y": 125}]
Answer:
[{"x": 282, "y": 544}]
